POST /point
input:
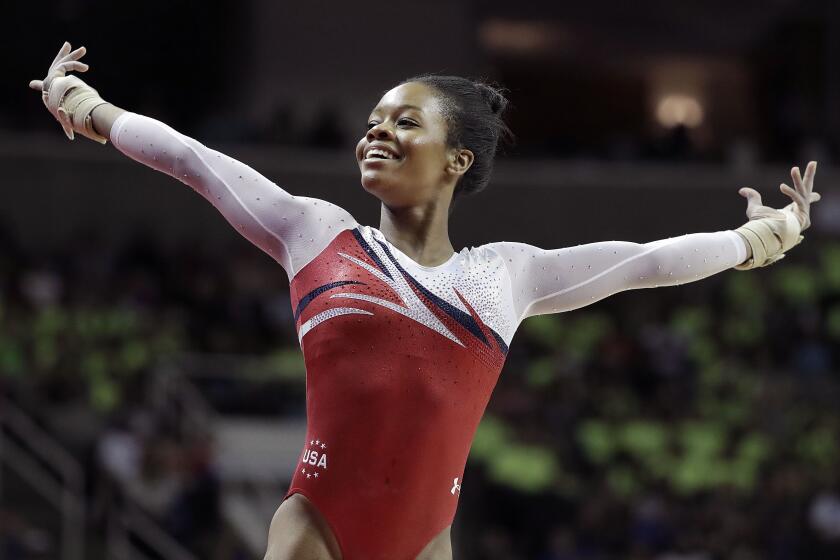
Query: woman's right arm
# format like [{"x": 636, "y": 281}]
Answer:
[{"x": 291, "y": 229}]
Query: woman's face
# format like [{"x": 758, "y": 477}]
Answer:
[{"x": 409, "y": 126}]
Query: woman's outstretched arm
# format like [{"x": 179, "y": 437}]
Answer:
[
  {"x": 555, "y": 280},
  {"x": 551, "y": 281},
  {"x": 291, "y": 229}
]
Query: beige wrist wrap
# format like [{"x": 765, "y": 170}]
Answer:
[
  {"x": 770, "y": 237},
  {"x": 73, "y": 101}
]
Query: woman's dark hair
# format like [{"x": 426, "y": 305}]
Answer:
[{"x": 473, "y": 112}]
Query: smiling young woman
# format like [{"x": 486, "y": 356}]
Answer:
[{"x": 403, "y": 337}]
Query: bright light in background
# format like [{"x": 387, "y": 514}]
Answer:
[
  {"x": 521, "y": 37},
  {"x": 675, "y": 110}
]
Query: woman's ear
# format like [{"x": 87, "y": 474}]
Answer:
[{"x": 460, "y": 161}]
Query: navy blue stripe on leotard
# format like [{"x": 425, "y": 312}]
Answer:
[
  {"x": 371, "y": 253},
  {"x": 307, "y": 299},
  {"x": 465, "y": 319}
]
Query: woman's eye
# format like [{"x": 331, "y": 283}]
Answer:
[{"x": 401, "y": 121}]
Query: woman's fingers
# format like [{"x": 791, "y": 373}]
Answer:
[
  {"x": 67, "y": 60},
  {"x": 75, "y": 55},
  {"x": 799, "y": 206},
  {"x": 62, "y": 52},
  {"x": 73, "y": 65},
  {"x": 751, "y": 195},
  {"x": 802, "y": 197},
  {"x": 797, "y": 179},
  {"x": 795, "y": 195},
  {"x": 753, "y": 200},
  {"x": 804, "y": 184},
  {"x": 810, "y": 171},
  {"x": 748, "y": 193}
]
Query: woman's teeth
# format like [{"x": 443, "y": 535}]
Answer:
[{"x": 381, "y": 153}]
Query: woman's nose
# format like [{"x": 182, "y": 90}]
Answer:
[{"x": 379, "y": 131}]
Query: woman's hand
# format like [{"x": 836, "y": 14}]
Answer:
[
  {"x": 802, "y": 197},
  {"x": 64, "y": 62},
  {"x": 771, "y": 232},
  {"x": 70, "y": 100}
]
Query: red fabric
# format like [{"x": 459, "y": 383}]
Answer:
[{"x": 392, "y": 407}]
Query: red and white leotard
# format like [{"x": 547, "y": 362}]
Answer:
[{"x": 401, "y": 359}]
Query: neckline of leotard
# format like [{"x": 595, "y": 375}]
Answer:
[{"x": 396, "y": 251}]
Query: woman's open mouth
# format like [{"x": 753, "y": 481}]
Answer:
[
  {"x": 378, "y": 153},
  {"x": 379, "y": 160}
]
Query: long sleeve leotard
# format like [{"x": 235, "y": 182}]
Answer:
[{"x": 401, "y": 359}]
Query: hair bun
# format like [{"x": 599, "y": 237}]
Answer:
[{"x": 494, "y": 97}]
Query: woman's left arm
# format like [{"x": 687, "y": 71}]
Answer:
[
  {"x": 551, "y": 281},
  {"x": 554, "y": 280}
]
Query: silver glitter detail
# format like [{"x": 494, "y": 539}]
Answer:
[{"x": 325, "y": 315}]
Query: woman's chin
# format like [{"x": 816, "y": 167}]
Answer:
[
  {"x": 374, "y": 183},
  {"x": 387, "y": 193}
]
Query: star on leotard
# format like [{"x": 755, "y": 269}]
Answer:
[
  {"x": 317, "y": 441},
  {"x": 309, "y": 475},
  {"x": 316, "y": 475},
  {"x": 303, "y": 470},
  {"x": 323, "y": 446}
]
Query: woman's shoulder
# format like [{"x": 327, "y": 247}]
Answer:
[
  {"x": 324, "y": 209},
  {"x": 503, "y": 249}
]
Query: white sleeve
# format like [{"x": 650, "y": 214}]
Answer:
[
  {"x": 291, "y": 229},
  {"x": 550, "y": 281}
]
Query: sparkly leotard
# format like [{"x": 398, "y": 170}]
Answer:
[{"x": 401, "y": 359}]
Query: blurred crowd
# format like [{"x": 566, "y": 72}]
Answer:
[{"x": 696, "y": 422}]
